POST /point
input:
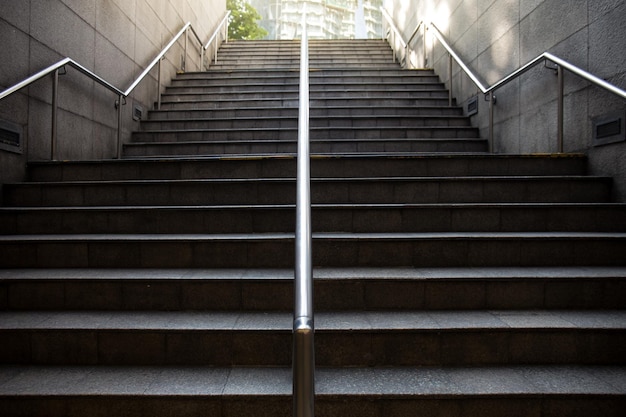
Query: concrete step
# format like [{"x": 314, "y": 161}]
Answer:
[
  {"x": 276, "y": 250},
  {"x": 550, "y": 391},
  {"x": 294, "y": 65},
  {"x": 278, "y": 55},
  {"x": 280, "y": 93},
  {"x": 335, "y": 165},
  {"x": 359, "y": 218},
  {"x": 349, "y": 338},
  {"x": 291, "y": 133},
  {"x": 479, "y": 289},
  {"x": 331, "y": 121},
  {"x": 373, "y": 190},
  {"x": 315, "y": 112},
  {"x": 233, "y": 148},
  {"x": 329, "y": 86},
  {"x": 316, "y": 78},
  {"x": 187, "y": 102}
]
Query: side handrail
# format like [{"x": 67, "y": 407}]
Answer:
[
  {"x": 122, "y": 94},
  {"x": 303, "y": 326},
  {"x": 560, "y": 63},
  {"x": 46, "y": 71},
  {"x": 395, "y": 32},
  {"x": 397, "y": 35},
  {"x": 221, "y": 30},
  {"x": 159, "y": 57}
]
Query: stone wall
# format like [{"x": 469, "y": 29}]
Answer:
[
  {"x": 496, "y": 37},
  {"x": 116, "y": 39}
]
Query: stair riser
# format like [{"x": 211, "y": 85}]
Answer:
[
  {"x": 199, "y": 252},
  {"x": 188, "y": 104},
  {"x": 357, "y": 220},
  {"x": 327, "y": 87},
  {"x": 326, "y": 405},
  {"x": 387, "y": 73},
  {"x": 248, "y": 147},
  {"x": 232, "y": 79},
  {"x": 313, "y": 65},
  {"x": 274, "y": 348},
  {"x": 314, "y": 122},
  {"x": 277, "y": 56},
  {"x": 280, "y": 53},
  {"x": 314, "y": 112},
  {"x": 541, "y": 293},
  {"x": 283, "y": 192},
  {"x": 334, "y": 60},
  {"x": 394, "y": 96},
  {"x": 291, "y": 133},
  {"x": 460, "y": 165}
]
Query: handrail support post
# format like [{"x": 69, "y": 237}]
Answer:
[
  {"x": 184, "y": 68},
  {"x": 119, "y": 127},
  {"x": 424, "y": 29},
  {"x": 492, "y": 102},
  {"x": 450, "y": 80},
  {"x": 560, "y": 121},
  {"x": 158, "y": 106},
  {"x": 54, "y": 114}
]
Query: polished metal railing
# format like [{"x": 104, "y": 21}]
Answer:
[
  {"x": 55, "y": 69},
  {"x": 489, "y": 92},
  {"x": 396, "y": 36},
  {"x": 303, "y": 327},
  {"x": 220, "y": 34}
]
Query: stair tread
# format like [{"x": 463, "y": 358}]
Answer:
[
  {"x": 536, "y": 380},
  {"x": 381, "y": 206},
  {"x": 346, "y": 236},
  {"x": 338, "y": 155},
  {"x": 363, "y": 273},
  {"x": 437, "y": 178},
  {"x": 279, "y": 118},
  {"x": 343, "y": 321}
]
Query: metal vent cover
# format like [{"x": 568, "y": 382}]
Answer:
[
  {"x": 609, "y": 128},
  {"x": 10, "y": 136},
  {"x": 137, "y": 112},
  {"x": 472, "y": 106}
]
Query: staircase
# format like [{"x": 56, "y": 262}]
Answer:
[{"x": 448, "y": 281}]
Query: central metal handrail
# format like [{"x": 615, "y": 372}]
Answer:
[
  {"x": 122, "y": 94},
  {"x": 303, "y": 327}
]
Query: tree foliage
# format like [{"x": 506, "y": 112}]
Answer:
[{"x": 242, "y": 22}]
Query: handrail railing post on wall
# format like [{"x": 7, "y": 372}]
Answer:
[
  {"x": 546, "y": 56},
  {"x": 54, "y": 70},
  {"x": 158, "y": 107},
  {"x": 303, "y": 323},
  {"x": 492, "y": 103},
  {"x": 450, "y": 80},
  {"x": 184, "y": 66},
  {"x": 54, "y": 114},
  {"x": 222, "y": 30},
  {"x": 488, "y": 92},
  {"x": 119, "y": 126},
  {"x": 561, "y": 118}
]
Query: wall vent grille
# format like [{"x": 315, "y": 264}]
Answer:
[
  {"x": 472, "y": 106},
  {"x": 10, "y": 137},
  {"x": 609, "y": 128}
]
